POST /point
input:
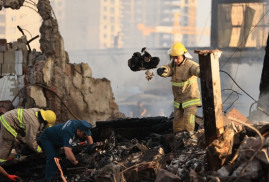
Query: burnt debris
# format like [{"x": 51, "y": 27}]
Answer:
[
  {"x": 145, "y": 149},
  {"x": 143, "y": 61}
]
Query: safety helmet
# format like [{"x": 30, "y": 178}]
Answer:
[
  {"x": 177, "y": 49},
  {"x": 49, "y": 116}
]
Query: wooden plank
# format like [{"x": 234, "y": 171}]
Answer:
[
  {"x": 211, "y": 93},
  {"x": 211, "y": 99},
  {"x": 264, "y": 82}
]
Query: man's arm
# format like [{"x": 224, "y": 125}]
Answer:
[
  {"x": 89, "y": 140},
  {"x": 70, "y": 155},
  {"x": 3, "y": 171},
  {"x": 195, "y": 69},
  {"x": 9, "y": 176}
]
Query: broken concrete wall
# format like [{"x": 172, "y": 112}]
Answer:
[{"x": 62, "y": 84}]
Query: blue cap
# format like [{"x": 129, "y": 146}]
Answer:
[{"x": 85, "y": 126}]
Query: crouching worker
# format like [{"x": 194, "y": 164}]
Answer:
[
  {"x": 22, "y": 125},
  {"x": 63, "y": 135}
]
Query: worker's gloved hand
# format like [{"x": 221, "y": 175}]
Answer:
[
  {"x": 13, "y": 177},
  {"x": 160, "y": 71},
  {"x": 90, "y": 148}
]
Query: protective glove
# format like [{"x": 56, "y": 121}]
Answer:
[
  {"x": 13, "y": 177},
  {"x": 160, "y": 71},
  {"x": 90, "y": 148}
]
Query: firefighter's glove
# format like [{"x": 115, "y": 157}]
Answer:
[
  {"x": 90, "y": 148},
  {"x": 13, "y": 177},
  {"x": 160, "y": 71}
]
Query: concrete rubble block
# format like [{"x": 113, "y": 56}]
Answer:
[
  {"x": 9, "y": 62},
  {"x": 68, "y": 69},
  {"x": 248, "y": 147},
  {"x": 14, "y": 4},
  {"x": 37, "y": 94},
  {"x": 251, "y": 145},
  {"x": 44, "y": 9},
  {"x": 262, "y": 126},
  {"x": 110, "y": 173},
  {"x": 77, "y": 68},
  {"x": 263, "y": 156},
  {"x": 86, "y": 70},
  {"x": 59, "y": 48},
  {"x": 252, "y": 171},
  {"x": 143, "y": 165},
  {"x": 77, "y": 80},
  {"x": 166, "y": 176},
  {"x": 18, "y": 57},
  {"x": 47, "y": 71},
  {"x": 3, "y": 44},
  {"x": 1, "y": 57},
  {"x": 19, "y": 46}
]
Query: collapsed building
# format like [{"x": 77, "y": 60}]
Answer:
[
  {"x": 47, "y": 80},
  {"x": 129, "y": 149}
]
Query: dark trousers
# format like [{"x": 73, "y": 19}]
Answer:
[{"x": 51, "y": 152}]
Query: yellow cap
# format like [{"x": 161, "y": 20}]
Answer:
[
  {"x": 49, "y": 116},
  {"x": 177, "y": 49}
]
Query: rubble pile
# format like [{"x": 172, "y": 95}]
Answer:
[{"x": 159, "y": 156}]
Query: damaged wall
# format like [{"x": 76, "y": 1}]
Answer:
[{"x": 88, "y": 98}]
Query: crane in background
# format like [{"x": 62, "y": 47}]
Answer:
[{"x": 177, "y": 30}]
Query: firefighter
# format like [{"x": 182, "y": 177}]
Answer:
[
  {"x": 63, "y": 135},
  {"x": 183, "y": 73},
  {"x": 22, "y": 125}
]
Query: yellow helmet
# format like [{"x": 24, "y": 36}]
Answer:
[
  {"x": 177, "y": 49},
  {"x": 49, "y": 116}
]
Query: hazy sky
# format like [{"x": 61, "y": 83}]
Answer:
[{"x": 203, "y": 19}]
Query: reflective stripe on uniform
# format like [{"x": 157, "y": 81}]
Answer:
[
  {"x": 191, "y": 102},
  {"x": 8, "y": 127},
  {"x": 176, "y": 104},
  {"x": 192, "y": 118},
  {"x": 39, "y": 149},
  {"x": 188, "y": 103},
  {"x": 2, "y": 160},
  {"x": 20, "y": 111},
  {"x": 181, "y": 84}
]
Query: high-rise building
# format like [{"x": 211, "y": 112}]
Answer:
[
  {"x": 158, "y": 23},
  {"x": 101, "y": 24},
  {"x": 87, "y": 24}
]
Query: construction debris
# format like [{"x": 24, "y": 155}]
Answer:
[{"x": 127, "y": 151}]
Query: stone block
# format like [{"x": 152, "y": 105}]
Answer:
[
  {"x": 86, "y": 70},
  {"x": 37, "y": 94},
  {"x": 1, "y": 57},
  {"x": 8, "y": 68},
  {"x": 9, "y": 57},
  {"x": 9, "y": 62},
  {"x": 68, "y": 69}
]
